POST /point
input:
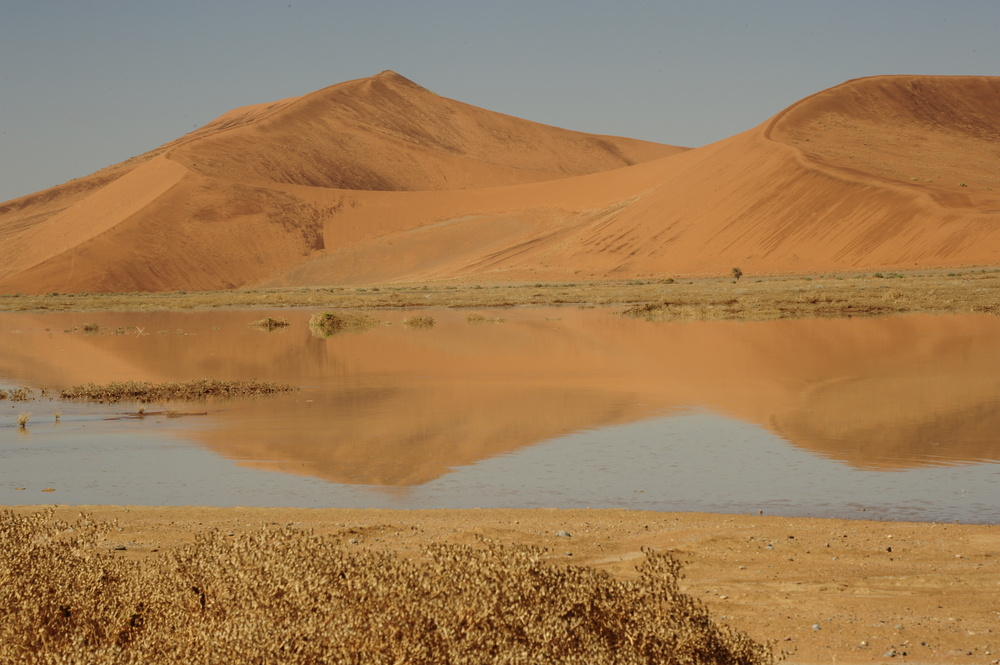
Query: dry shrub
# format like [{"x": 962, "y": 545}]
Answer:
[
  {"x": 332, "y": 323},
  {"x": 188, "y": 391},
  {"x": 23, "y": 418},
  {"x": 645, "y": 310},
  {"x": 419, "y": 322},
  {"x": 18, "y": 394},
  {"x": 269, "y": 324},
  {"x": 289, "y": 597},
  {"x": 91, "y": 328},
  {"x": 479, "y": 318}
]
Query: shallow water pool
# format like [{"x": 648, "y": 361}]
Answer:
[{"x": 891, "y": 418}]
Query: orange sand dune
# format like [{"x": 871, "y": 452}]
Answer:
[{"x": 379, "y": 180}]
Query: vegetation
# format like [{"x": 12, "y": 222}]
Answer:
[
  {"x": 269, "y": 323},
  {"x": 145, "y": 392},
  {"x": 419, "y": 322},
  {"x": 766, "y": 297},
  {"x": 18, "y": 394},
  {"x": 332, "y": 323},
  {"x": 479, "y": 318},
  {"x": 737, "y": 273},
  {"x": 23, "y": 418},
  {"x": 281, "y": 595}
]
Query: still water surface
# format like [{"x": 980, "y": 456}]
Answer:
[{"x": 557, "y": 407}]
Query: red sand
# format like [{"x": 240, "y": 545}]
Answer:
[{"x": 379, "y": 179}]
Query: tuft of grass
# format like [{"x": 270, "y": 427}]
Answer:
[
  {"x": 419, "y": 322},
  {"x": 91, "y": 328},
  {"x": 18, "y": 394},
  {"x": 327, "y": 324},
  {"x": 284, "y": 595},
  {"x": 57, "y": 415},
  {"x": 479, "y": 318},
  {"x": 23, "y": 418},
  {"x": 189, "y": 391},
  {"x": 268, "y": 323}
]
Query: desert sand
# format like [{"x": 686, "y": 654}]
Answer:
[
  {"x": 380, "y": 180},
  {"x": 823, "y": 590}
]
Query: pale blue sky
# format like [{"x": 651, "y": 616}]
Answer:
[{"x": 87, "y": 84}]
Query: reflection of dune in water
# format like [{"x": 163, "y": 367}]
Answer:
[
  {"x": 400, "y": 407},
  {"x": 913, "y": 420},
  {"x": 409, "y": 436}
]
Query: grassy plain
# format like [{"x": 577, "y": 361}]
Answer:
[{"x": 701, "y": 298}]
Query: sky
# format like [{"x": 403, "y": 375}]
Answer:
[{"x": 87, "y": 84}]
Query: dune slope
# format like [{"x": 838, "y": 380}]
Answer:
[
  {"x": 247, "y": 195},
  {"x": 835, "y": 182},
  {"x": 379, "y": 180}
]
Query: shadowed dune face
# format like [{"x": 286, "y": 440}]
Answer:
[
  {"x": 379, "y": 180},
  {"x": 399, "y": 407}
]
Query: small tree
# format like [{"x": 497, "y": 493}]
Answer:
[{"x": 737, "y": 273}]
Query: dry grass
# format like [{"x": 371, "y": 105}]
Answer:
[
  {"x": 479, "y": 318},
  {"x": 280, "y": 595},
  {"x": 419, "y": 322},
  {"x": 18, "y": 394},
  {"x": 268, "y": 323},
  {"x": 145, "y": 392},
  {"x": 752, "y": 298},
  {"x": 327, "y": 324}
]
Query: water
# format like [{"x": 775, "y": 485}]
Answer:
[{"x": 887, "y": 418}]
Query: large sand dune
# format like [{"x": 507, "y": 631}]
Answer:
[{"x": 379, "y": 180}]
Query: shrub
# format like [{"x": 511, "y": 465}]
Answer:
[
  {"x": 737, "y": 273},
  {"x": 23, "y": 418},
  {"x": 331, "y": 323},
  {"x": 281, "y": 595},
  {"x": 91, "y": 328},
  {"x": 270, "y": 324},
  {"x": 419, "y": 322},
  {"x": 479, "y": 318}
]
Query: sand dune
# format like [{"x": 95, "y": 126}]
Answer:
[{"x": 379, "y": 180}]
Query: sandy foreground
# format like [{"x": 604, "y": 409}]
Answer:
[{"x": 825, "y": 590}]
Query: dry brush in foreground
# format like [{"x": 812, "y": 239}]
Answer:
[{"x": 284, "y": 596}]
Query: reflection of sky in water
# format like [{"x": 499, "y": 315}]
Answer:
[{"x": 691, "y": 462}]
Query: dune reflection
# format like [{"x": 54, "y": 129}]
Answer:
[{"x": 401, "y": 407}]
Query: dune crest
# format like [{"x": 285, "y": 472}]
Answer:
[{"x": 379, "y": 179}]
